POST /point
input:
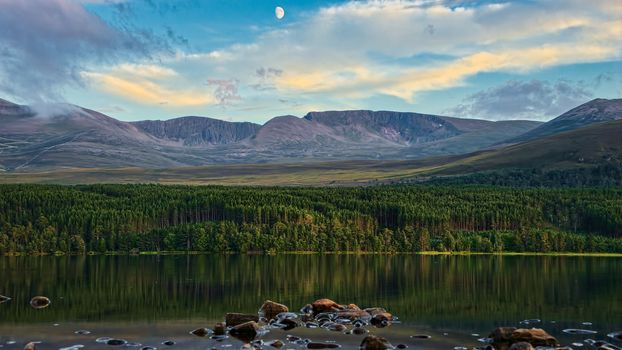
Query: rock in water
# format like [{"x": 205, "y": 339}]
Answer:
[
  {"x": 534, "y": 336},
  {"x": 200, "y": 332},
  {"x": 374, "y": 342},
  {"x": 352, "y": 314},
  {"x": 501, "y": 334},
  {"x": 234, "y": 319},
  {"x": 245, "y": 329},
  {"x": 270, "y": 309},
  {"x": 30, "y": 346},
  {"x": 276, "y": 344},
  {"x": 504, "y": 337},
  {"x": 39, "y": 302},
  {"x": 325, "y": 305},
  {"x": 219, "y": 328},
  {"x": 521, "y": 346}
]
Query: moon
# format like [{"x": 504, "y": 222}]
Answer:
[{"x": 279, "y": 12}]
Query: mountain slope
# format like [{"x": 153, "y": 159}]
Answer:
[
  {"x": 596, "y": 111},
  {"x": 197, "y": 131},
  {"x": 584, "y": 147},
  {"x": 53, "y": 136}
]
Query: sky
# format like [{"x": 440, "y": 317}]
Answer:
[{"x": 234, "y": 60}]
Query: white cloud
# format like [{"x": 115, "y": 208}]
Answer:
[{"x": 334, "y": 50}]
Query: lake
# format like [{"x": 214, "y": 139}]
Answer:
[{"x": 455, "y": 299}]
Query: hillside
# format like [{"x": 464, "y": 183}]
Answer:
[{"x": 596, "y": 111}]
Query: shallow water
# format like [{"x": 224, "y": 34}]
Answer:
[{"x": 456, "y": 299}]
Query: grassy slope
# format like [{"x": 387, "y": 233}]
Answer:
[{"x": 579, "y": 148}]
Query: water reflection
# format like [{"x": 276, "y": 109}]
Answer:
[{"x": 459, "y": 292}]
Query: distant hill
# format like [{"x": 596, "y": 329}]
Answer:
[
  {"x": 596, "y": 111},
  {"x": 47, "y": 137},
  {"x": 593, "y": 145}
]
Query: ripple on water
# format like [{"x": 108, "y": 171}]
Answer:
[
  {"x": 579, "y": 331},
  {"x": 615, "y": 335}
]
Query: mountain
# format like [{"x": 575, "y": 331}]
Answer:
[
  {"x": 591, "y": 148},
  {"x": 59, "y": 135},
  {"x": 197, "y": 131},
  {"x": 596, "y": 111},
  {"x": 50, "y": 136}
]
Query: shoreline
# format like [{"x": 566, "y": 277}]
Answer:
[{"x": 424, "y": 253}]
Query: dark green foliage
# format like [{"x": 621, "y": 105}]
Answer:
[
  {"x": 100, "y": 218},
  {"x": 602, "y": 175}
]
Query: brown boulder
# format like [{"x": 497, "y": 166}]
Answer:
[
  {"x": 501, "y": 334},
  {"x": 353, "y": 314},
  {"x": 534, "y": 336},
  {"x": 504, "y": 337},
  {"x": 374, "y": 342},
  {"x": 270, "y": 309},
  {"x": 352, "y": 307},
  {"x": 276, "y": 344},
  {"x": 233, "y": 319},
  {"x": 30, "y": 346},
  {"x": 325, "y": 305},
  {"x": 245, "y": 332},
  {"x": 375, "y": 310}
]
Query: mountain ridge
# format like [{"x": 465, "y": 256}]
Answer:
[{"x": 72, "y": 136}]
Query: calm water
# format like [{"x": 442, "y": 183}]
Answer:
[{"x": 150, "y": 298}]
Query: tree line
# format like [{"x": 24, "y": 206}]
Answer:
[{"x": 404, "y": 218}]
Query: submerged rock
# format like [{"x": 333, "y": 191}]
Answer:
[
  {"x": 276, "y": 344},
  {"x": 374, "y": 342},
  {"x": 200, "y": 332},
  {"x": 314, "y": 345},
  {"x": 40, "y": 302},
  {"x": 270, "y": 309},
  {"x": 219, "y": 328},
  {"x": 521, "y": 346},
  {"x": 116, "y": 342},
  {"x": 233, "y": 319}
]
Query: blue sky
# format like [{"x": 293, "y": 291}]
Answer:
[{"x": 234, "y": 60}]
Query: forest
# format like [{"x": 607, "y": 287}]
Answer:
[{"x": 52, "y": 219}]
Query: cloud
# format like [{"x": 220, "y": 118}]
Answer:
[
  {"x": 148, "y": 92},
  {"x": 45, "y": 44},
  {"x": 333, "y": 53},
  {"x": 225, "y": 90},
  {"x": 534, "y": 99}
]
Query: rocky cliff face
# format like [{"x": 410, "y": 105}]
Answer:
[
  {"x": 393, "y": 127},
  {"x": 198, "y": 131}
]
